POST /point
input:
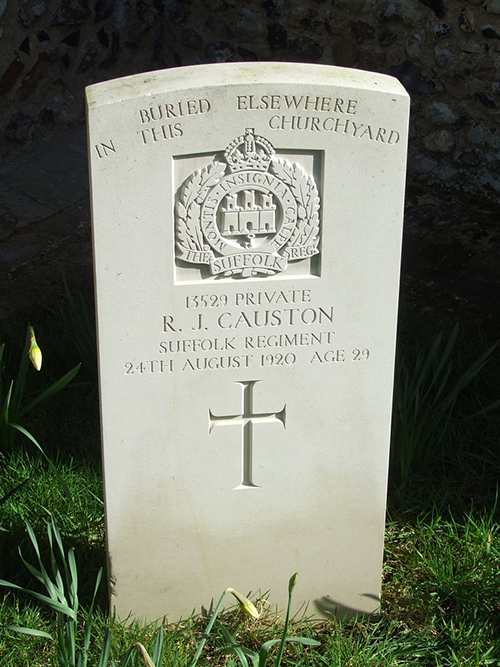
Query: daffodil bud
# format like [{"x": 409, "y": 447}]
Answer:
[
  {"x": 248, "y": 606},
  {"x": 292, "y": 582},
  {"x": 35, "y": 353},
  {"x": 144, "y": 655}
]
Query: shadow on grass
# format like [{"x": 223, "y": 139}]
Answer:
[
  {"x": 90, "y": 558},
  {"x": 80, "y": 517}
]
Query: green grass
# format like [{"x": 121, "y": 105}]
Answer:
[{"x": 441, "y": 587}]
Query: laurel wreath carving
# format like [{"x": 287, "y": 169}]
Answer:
[
  {"x": 195, "y": 189},
  {"x": 192, "y": 195},
  {"x": 306, "y": 193}
]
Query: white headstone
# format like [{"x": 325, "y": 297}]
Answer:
[{"x": 247, "y": 228}]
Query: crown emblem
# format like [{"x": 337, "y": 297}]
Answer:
[{"x": 249, "y": 152}]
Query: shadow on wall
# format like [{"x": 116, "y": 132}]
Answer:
[{"x": 328, "y": 607}]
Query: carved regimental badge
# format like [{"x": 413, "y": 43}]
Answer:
[{"x": 248, "y": 215}]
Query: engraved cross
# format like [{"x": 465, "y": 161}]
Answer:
[{"x": 246, "y": 420}]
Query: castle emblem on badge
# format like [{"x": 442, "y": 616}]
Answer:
[{"x": 249, "y": 215}]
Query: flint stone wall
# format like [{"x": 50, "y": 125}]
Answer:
[{"x": 445, "y": 52}]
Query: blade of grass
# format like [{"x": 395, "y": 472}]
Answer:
[
  {"x": 50, "y": 391},
  {"x": 29, "y": 631},
  {"x": 208, "y": 630},
  {"x": 235, "y": 648},
  {"x": 158, "y": 648},
  {"x": 53, "y": 467},
  {"x": 20, "y": 382},
  {"x": 50, "y": 602},
  {"x": 89, "y": 619},
  {"x": 17, "y": 488},
  {"x": 264, "y": 651},
  {"x": 106, "y": 647},
  {"x": 304, "y": 641}
]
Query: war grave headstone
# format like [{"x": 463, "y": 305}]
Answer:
[{"x": 247, "y": 227}]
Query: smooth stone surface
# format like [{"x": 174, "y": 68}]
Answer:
[{"x": 247, "y": 227}]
